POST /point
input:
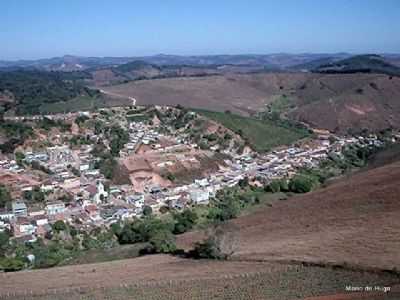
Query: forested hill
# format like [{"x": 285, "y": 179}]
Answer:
[
  {"x": 27, "y": 90},
  {"x": 370, "y": 63}
]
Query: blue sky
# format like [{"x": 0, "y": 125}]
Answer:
[{"x": 46, "y": 28}]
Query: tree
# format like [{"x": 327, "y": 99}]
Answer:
[
  {"x": 5, "y": 197},
  {"x": 142, "y": 230},
  {"x": 107, "y": 166},
  {"x": 59, "y": 226},
  {"x": 73, "y": 231},
  {"x": 163, "y": 242},
  {"x": 81, "y": 119},
  {"x": 227, "y": 136},
  {"x": 184, "y": 221},
  {"x": 284, "y": 185},
  {"x": 119, "y": 137},
  {"x": 301, "y": 184},
  {"x": 227, "y": 208},
  {"x": 19, "y": 157},
  {"x": 4, "y": 241},
  {"x": 273, "y": 187},
  {"x": 277, "y": 185},
  {"x": 36, "y": 195},
  {"x": 171, "y": 177},
  {"x": 116, "y": 228},
  {"x": 203, "y": 145},
  {"x": 147, "y": 210},
  {"x": 244, "y": 182},
  {"x": 75, "y": 171}
]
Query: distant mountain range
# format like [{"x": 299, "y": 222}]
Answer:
[
  {"x": 274, "y": 61},
  {"x": 337, "y": 62}
]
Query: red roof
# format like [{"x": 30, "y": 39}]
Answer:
[
  {"x": 92, "y": 189},
  {"x": 91, "y": 208}
]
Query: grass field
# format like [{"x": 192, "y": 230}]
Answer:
[
  {"x": 261, "y": 135},
  {"x": 103, "y": 255}
]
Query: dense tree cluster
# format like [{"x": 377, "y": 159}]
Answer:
[
  {"x": 15, "y": 134},
  {"x": 118, "y": 138},
  {"x": 31, "y": 88},
  {"x": 5, "y": 197}
]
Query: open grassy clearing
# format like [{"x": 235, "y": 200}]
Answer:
[
  {"x": 266, "y": 199},
  {"x": 103, "y": 255},
  {"x": 261, "y": 135}
]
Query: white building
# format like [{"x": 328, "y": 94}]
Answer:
[
  {"x": 55, "y": 208},
  {"x": 101, "y": 193},
  {"x": 199, "y": 196},
  {"x": 19, "y": 209}
]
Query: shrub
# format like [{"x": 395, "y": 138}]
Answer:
[
  {"x": 4, "y": 241},
  {"x": 221, "y": 243},
  {"x": 301, "y": 184},
  {"x": 163, "y": 242},
  {"x": 108, "y": 166},
  {"x": 5, "y": 197},
  {"x": 171, "y": 177},
  {"x": 59, "y": 226},
  {"x": 273, "y": 187},
  {"x": 9, "y": 264},
  {"x": 147, "y": 210},
  {"x": 184, "y": 221},
  {"x": 142, "y": 230}
]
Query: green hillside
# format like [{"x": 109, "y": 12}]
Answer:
[
  {"x": 31, "y": 89},
  {"x": 260, "y": 135},
  {"x": 370, "y": 63}
]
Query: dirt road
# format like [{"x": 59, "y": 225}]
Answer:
[{"x": 119, "y": 96}]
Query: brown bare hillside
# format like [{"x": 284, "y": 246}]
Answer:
[
  {"x": 354, "y": 221},
  {"x": 242, "y": 93},
  {"x": 333, "y": 101},
  {"x": 166, "y": 277},
  {"x": 214, "y": 92},
  {"x": 350, "y": 102}
]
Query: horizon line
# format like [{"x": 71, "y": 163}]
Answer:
[{"x": 201, "y": 55}]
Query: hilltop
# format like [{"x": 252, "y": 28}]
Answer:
[
  {"x": 370, "y": 63},
  {"x": 338, "y": 102}
]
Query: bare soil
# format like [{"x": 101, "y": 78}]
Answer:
[
  {"x": 165, "y": 277},
  {"x": 353, "y": 222}
]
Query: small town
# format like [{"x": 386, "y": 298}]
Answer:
[
  {"x": 198, "y": 150},
  {"x": 67, "y": 181}
]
